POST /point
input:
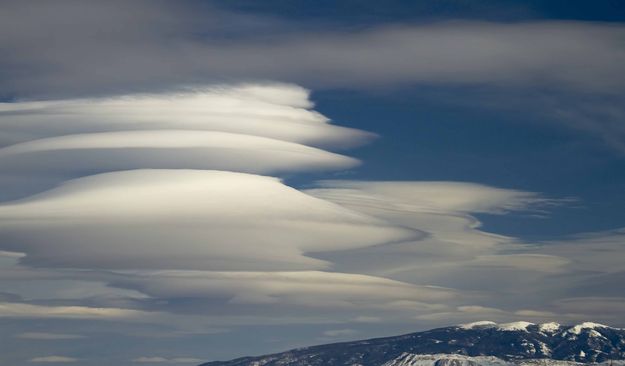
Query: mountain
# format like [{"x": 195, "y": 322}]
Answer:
[{"x": 475, "y": 344}]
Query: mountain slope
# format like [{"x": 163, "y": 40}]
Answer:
[{"x": 505, "y": 343}]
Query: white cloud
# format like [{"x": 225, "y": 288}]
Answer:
[
  {"x": 217, "y": 220},
  {"x": 54, "y": 359},
  {"x": 478, "y": 309},
  {"x": 442, "y": 212},
  {"x": 424, "y": 196},
  {"x": 253, "y": 128},
  {"x": 124, "y": 150},
  {"x": 303, "y": 289},
  {"x": 556, "y": 58},
  {"x": 483, "y": 269},
  {"x": 276, "y": 111},
  {"x": 186, "y": 360},
  {"x": 11, "y": 255},
  {"x": 264, "y": 249},
  {"x": 549, "y": 53},
  {"x": 524, "y": 261},
  {"x": 367, "y": 319},
  {"x": 599, "y": 252},
  {"x": 199, "y": 250},
  {"x": 339, "y": 332},
  {"x": 48, "y": 336},
  {"x": 175, "y": 360},
  {"x": 24, "y": 310},
  {"x": 265, "y": 128},
  {"x": 150, "y": 359},
  {"x": 533, "y": 314}
]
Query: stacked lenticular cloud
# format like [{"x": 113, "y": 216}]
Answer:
[
  {"x": 167, "y": 207},
  {"x": 162, "y": 182},
  {"x": 258, "y": 129}
]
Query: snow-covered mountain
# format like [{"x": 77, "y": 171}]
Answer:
[
  {"x": 476, "y": 344},
  {"x": 409, "y": 359}
]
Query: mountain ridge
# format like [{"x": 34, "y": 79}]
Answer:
[{"x": 506, "y": 343}]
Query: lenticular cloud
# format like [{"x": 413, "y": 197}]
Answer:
[
  {"x": 169, "y": 182},
  {"x": 276, "y": 111},
  {"x": 255, "y": 129},
  {"x": 168, "y": 149},
  {"x": 178, "y": 196},
  {"x": 184, "y": 219}
]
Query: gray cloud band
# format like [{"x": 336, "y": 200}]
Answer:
[{"x": 90, "y": 56}]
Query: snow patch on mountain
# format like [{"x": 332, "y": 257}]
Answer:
[
  {"x": 478, "y": 325},
  {"x": 577, "y": 329},
  {"x": 594, "y": 334},
  {"x": 515, "y": 326},
  {"x": 550, "y": 327},
  {"x": 409, "y": 359},
  {"x": 544, "y": 349}
]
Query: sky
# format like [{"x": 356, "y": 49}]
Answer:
[{"x": 186, "y": 181}]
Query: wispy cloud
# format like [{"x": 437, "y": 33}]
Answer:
[
  {"x": 150, "y": 359},
  {"x": 158, "y": 359},
  {"x": 48, "y": 336},
  {"x": 549, "y": 54},
  {"x": 339, "y": 332},
  {"x": 54, "y": 359},
  {"x": 25, "y": 310},
  {"x": 556, "y": 60}
]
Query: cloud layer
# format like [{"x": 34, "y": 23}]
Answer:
[
  {"x": 110, "y": 151},
  {"x": 260, "y": 129},
  {"x": 53, "y": 359},
  {"x": 154, "y": 216},
  {"x": 570, "y": 72},
  {"x": 277, "y": 111},
  {"x": 218, "y": 220},
  {"x": 234, "y": 46},
  {"x": 136, "y": 202}
]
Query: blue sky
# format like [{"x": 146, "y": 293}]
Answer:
[
  {"x": 200, "y": 180},
  {"x": 424, "y": 138}
]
